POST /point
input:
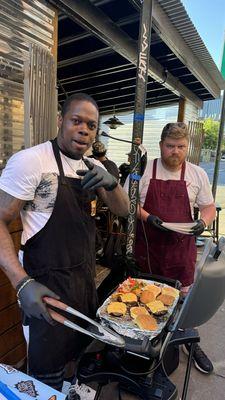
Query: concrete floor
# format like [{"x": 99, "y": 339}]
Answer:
[
  {"x": 220, "y": 199},
  {"x": 207, "y": 387}
]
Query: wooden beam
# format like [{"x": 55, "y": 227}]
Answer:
[
  {"x": 54, "y": 49},
  {"x": 181, "y": 110}
]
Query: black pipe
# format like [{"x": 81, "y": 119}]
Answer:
[{"x": 138, "y": 121}]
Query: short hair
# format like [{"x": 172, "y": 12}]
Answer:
[
  {"x": 77, "y": 97},
  {"x": 175, "y": 130},
  {"x": 98, "y": 149}
]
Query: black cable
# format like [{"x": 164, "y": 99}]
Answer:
[
  {"x": 142, "y": 373},
  {"x": 145, "y": 236},
  {"x": 166, "y": 76},
  {"x": 120, "y": 140}
]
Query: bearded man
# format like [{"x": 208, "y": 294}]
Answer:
[{"x": 169, "y": 190}]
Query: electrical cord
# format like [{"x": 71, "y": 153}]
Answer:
[
  {"x": 102, "y": 133},
  {"x": 145, "y": 237},
  {"x": 142, "y": 373}
]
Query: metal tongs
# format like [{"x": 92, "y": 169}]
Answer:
[{"x": 103, "y": 334}]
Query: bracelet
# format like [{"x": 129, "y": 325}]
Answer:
[{"x": 22, "y": 284}]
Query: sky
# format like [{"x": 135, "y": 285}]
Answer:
[{"x": 208, "y": 16}]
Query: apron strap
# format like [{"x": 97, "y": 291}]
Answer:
[
  {"x": 183, "y": 171},
  {"x": 154, "y": 169},
  {"x": 58, "y": 160}
]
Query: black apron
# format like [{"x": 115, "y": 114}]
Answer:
[{"x": 61, "y": 256}]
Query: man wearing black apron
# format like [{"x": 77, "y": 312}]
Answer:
[{"x": 58, "y": 257}]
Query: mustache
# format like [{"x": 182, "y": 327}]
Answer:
[{"x": 173, "y": 160}]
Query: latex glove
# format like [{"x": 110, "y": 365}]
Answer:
[
  {"x": 30, "y": 300},
  {"x": 96, "y": 177},
  {"x": 199, "y": 227},
  {"x": 155, "y": 221}
]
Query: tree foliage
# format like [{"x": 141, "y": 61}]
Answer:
[{"x": 211, "y": 129}]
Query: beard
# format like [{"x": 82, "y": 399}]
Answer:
[{"x": 173, "y": 161}]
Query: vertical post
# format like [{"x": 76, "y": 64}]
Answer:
[
  {"x": 138, "y": 121},
  {"x": 221, "y": 131},
  {"x": 181, "y": 110},
  {"x": 27, "y": 83},
  {"x": 218, "y": 150}
]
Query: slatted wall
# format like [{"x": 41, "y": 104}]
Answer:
[
  {"x": 22, "y": 23},
  {"x": 12, "y": 344},
  {"x": 196, "y": 139},
  {"x": 155, "y": 119}
]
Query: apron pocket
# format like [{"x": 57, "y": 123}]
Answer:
[{"x": 67, "y": 268}]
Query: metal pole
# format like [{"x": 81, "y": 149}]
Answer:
[
  {"x": 27, "y": 83},
  {"x": 138, "y": 121},
  {"x": 218, "y": 150}
]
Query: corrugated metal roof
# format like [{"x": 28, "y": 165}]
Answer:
[
  {"x": 181, "y": 20},
  {"x": 101, "y": 67}
]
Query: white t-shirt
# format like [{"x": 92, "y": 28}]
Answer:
[
  {"x": 197, "y": 181},
  {"x": 32, "y": 175}
]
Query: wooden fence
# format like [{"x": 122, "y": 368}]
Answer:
[{"x": 196, "y": 139}]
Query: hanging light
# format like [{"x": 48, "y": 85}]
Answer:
[{"x": 113, "y": 122}]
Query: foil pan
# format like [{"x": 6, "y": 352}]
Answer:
[{"x": 125, "y": 325}]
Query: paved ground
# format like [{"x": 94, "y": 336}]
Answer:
[
  {"x": 220, "y": 199},
  {"x": 209, "y": 168},
  {"x": 203, "y": 387},
  {"x": 220, "y": 193}
]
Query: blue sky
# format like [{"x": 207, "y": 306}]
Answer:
[{"x": 208, "y": 16}]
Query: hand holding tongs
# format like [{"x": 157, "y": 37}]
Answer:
[{"x": 105, "y": 335}]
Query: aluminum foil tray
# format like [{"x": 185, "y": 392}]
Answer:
[{"x": 125, "y": 325}]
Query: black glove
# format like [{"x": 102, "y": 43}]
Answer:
[
  {"x": 199, "y": 227},
  {"x": 30, "y": 299},
  {"x": 156, "y": 222},
  {"x": 96, "y": 177}
]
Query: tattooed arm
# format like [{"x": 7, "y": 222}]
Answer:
[{"x": 9, "y": 210}]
